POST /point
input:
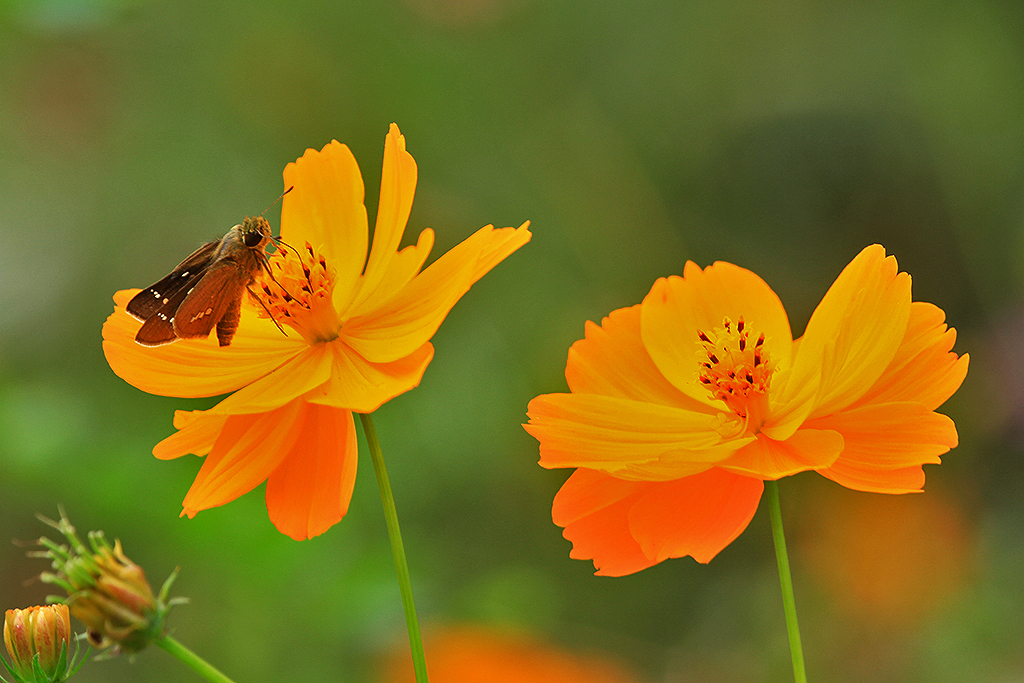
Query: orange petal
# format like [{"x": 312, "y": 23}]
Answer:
[
  {"x": 397, "y": 187},
  {"x": 611, "y": 360},
  {"x": 678, "y": 307},
  {"x": 696, "y": 516},
  {"x": 889, "y": 437},
  {"x": 396, "y": 327},
  {"x": 766, "y": 458},
  {"x": 465, "y": 653},
  {"x": 854, "y": 332},
  {"x": 197, "y": 432},
  {"x": 621, "y": 435},
  {"x": 586, "y": 492},
  {"x": 358, "y": 385},
  {"x": 305, "y": 372},
  {"x": 923, "y": 370},
  {"x": 248, "y": 449},
  {"x": 593, "y": 509},
  {"x": 625, "y": 527},
  {"x": 191, "y": 368},
  {"x": 310, "y": 490},
  {"x": 325, "y": 208}
]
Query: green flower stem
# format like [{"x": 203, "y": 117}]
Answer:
[
  {"x": 192, "y": 660},
  {"x": 419, "y": 661},
  {"x": 786, "y": 580}
]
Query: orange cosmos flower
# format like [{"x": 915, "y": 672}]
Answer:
[
  {"x": 683, "y": 405},
  {"x": 478, "y": 654},
  {"x": 359, "y": 335}
]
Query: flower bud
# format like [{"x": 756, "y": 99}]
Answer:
[
  {"x": 38, "y": 634},
  {"x": 107, "y": 591}
]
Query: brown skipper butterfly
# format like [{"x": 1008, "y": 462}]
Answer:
[{"x": 205, "y": 290}]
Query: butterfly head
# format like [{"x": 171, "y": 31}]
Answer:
[{"x": 256, "y": 232}]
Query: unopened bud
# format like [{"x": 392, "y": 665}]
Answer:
[
  {"x": 37, "y": 639},
  {"x": 106, "y": 590}
]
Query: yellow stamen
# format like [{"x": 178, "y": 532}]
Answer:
[
  {"x": 737, "y": 371},
  {"x": 298, "y": 293}
]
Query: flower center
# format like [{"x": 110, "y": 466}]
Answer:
[
  {"x": 297, "y": 292},
  {"x": 737, "y": 371}
]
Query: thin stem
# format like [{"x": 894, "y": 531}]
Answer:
[
  {"x": 419, "y": 661},
  {"x": 786, "y": 581},
  {"x": 192, "y": 660}
]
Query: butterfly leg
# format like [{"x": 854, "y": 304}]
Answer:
[{"x": 255, "y": 296}]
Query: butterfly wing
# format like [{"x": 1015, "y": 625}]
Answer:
[
  {"x": 185, "y": 275},
  {"x": 218, "y": 291},
  {"x": 159, "y": 327}
]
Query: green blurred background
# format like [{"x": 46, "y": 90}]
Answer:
[{"x": 780, "y": 136}]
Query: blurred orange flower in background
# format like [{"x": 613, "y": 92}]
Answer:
[
  {"x": 474, "y": 654},
  {"x": 893, "y": 564},
  {"x": 683, "y": 405},
  {"x": 362, "y": 323}
]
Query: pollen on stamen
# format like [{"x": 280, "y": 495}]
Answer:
[
  {"x": 301, "y": 293},
  {"x": 734, "y": 371}
]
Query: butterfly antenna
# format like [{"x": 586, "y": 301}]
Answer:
[
  {"x": 277, "y": 240},
  {"x": 278, "y": 199}
]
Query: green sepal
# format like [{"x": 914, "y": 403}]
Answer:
[
  {"x": 37, "y": 670},
  {"x": 14, "y": 674}
]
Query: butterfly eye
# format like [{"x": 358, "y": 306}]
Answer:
[{"x": 253, "y": 238}]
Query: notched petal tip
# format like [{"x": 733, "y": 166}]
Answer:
[
  {"x": 396, "y": 135},
  {"x": 389, "y": 329},
  {"x": 855, "y": 331}
]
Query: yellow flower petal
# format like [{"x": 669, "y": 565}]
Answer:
[
  {"x": 855, "y": 331},
  {"x": 302, "y": 374},
  {"x": 358, "y": 385},
  {"x": 400, "y": 271},
  {"x": 622, "y": 435},
  {"x": 397, "y": 187},
  {"x": 192, "y": 368},
  {"x": 326, "y": 209},
  {"x": 678, "y": 307},
  {"x": 310, "y": 490},
  {"x": 497, "y": 244},
  {"x": 766, "y": 458},
  {"x": 924, "y": 370},
  {"x": 873, "y": 480},
  {"x": 398, "y": 326},
  {"x": 888, "y": 437},
  {"x": 612, "y": 361},
  {"x": 249, "y": 448}
]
